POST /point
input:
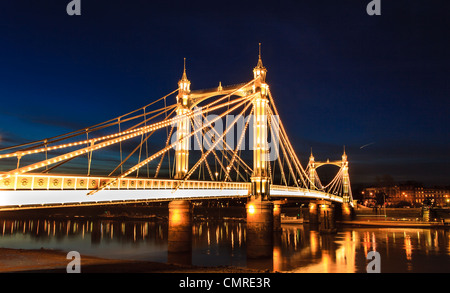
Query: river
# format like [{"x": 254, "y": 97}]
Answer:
[{"x": 222, "y": 242}]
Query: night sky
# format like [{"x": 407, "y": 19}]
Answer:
[{"x": 380, "y": 85}]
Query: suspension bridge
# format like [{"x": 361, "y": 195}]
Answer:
[{"x": 224, "y": 142}]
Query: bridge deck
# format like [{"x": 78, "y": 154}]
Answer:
[{"x": 38, "y": 190}]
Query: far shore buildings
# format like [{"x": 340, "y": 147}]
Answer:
[{"x": 405, "y": 195}]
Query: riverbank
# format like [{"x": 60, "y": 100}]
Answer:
[
  {"x": 393, "y": 218},
  {"x": 410, "y": 213},
  {"x": 55, "y": 261},
  {"x": 396, "y": 224}
]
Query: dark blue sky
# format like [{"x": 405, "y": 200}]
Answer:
[{"x": 338, "y": 76}]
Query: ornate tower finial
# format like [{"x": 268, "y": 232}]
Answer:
[
  {"x": 184, "y": 77},
  {"x": 184, "y": 86},
  {"x": 260, "y": 70},
  {"x": 259, "y": 50},
  {"x": 184, "y": 83},
  {"x": 344, "y": 157},
  {"x": 260, "y": 64},
  {"x": 311, "y": 157}
]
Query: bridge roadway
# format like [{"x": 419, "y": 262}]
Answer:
[{"x": 43, "y": 190}]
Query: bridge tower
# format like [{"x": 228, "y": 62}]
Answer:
[
  {"x": 312, "y": 171},
  {"x": 345, "y": 179},
  {"x": 183, "y": 126},
  {"x": 260, "y": 178},
  {"x": 347, "y": 209},
  {"x": 260, "y": 211}
]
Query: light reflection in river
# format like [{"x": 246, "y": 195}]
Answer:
[{"x": 297, "y": 248}]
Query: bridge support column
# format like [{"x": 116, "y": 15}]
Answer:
[
  {"x": 180, "y": 227},
  {"x": 347, "y": 212},
  {"x": 277, "y": 216},
  {"x": 259, "y": 228},
  {"x": 327, "y": 218},
  {"x": 313, "y": 213}
]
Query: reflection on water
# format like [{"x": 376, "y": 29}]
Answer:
[{"x": 297, "y": 248}]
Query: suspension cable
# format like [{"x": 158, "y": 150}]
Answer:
[
  {"x": 81, "y": 131},
  {"x": 214, "y": 145},
  {"x": 134, "y": 168}
]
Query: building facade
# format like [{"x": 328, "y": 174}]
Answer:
[{"x": 406, "y": 195}]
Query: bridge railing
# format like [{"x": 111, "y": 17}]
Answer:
[
  {"x": 290, "y": 191},
  {"x": 72, "y": 182},
  {"x": 28, "y": 182}
]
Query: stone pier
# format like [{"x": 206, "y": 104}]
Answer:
[
  {"x": 260, "y": 225},
  {"x": 327, "y": 220},
  {"x": 180, "y": 227}
]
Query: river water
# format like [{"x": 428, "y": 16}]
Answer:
[{"x": 297, "y": 248}]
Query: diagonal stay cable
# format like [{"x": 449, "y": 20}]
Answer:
[
  {"x": 214, "y": 144},
  {"x": 223, "y": 152},
  {"x": 126, "y": 136},
  {"x": 134, "y": 168},
  {"x": 238, "y": 146},
  {"x": 60, "y": 137}
]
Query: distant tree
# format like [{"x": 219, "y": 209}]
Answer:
[{"x": 381, "y": 197}]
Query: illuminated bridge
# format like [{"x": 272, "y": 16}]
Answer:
[{"x": 224, "y": 142}]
